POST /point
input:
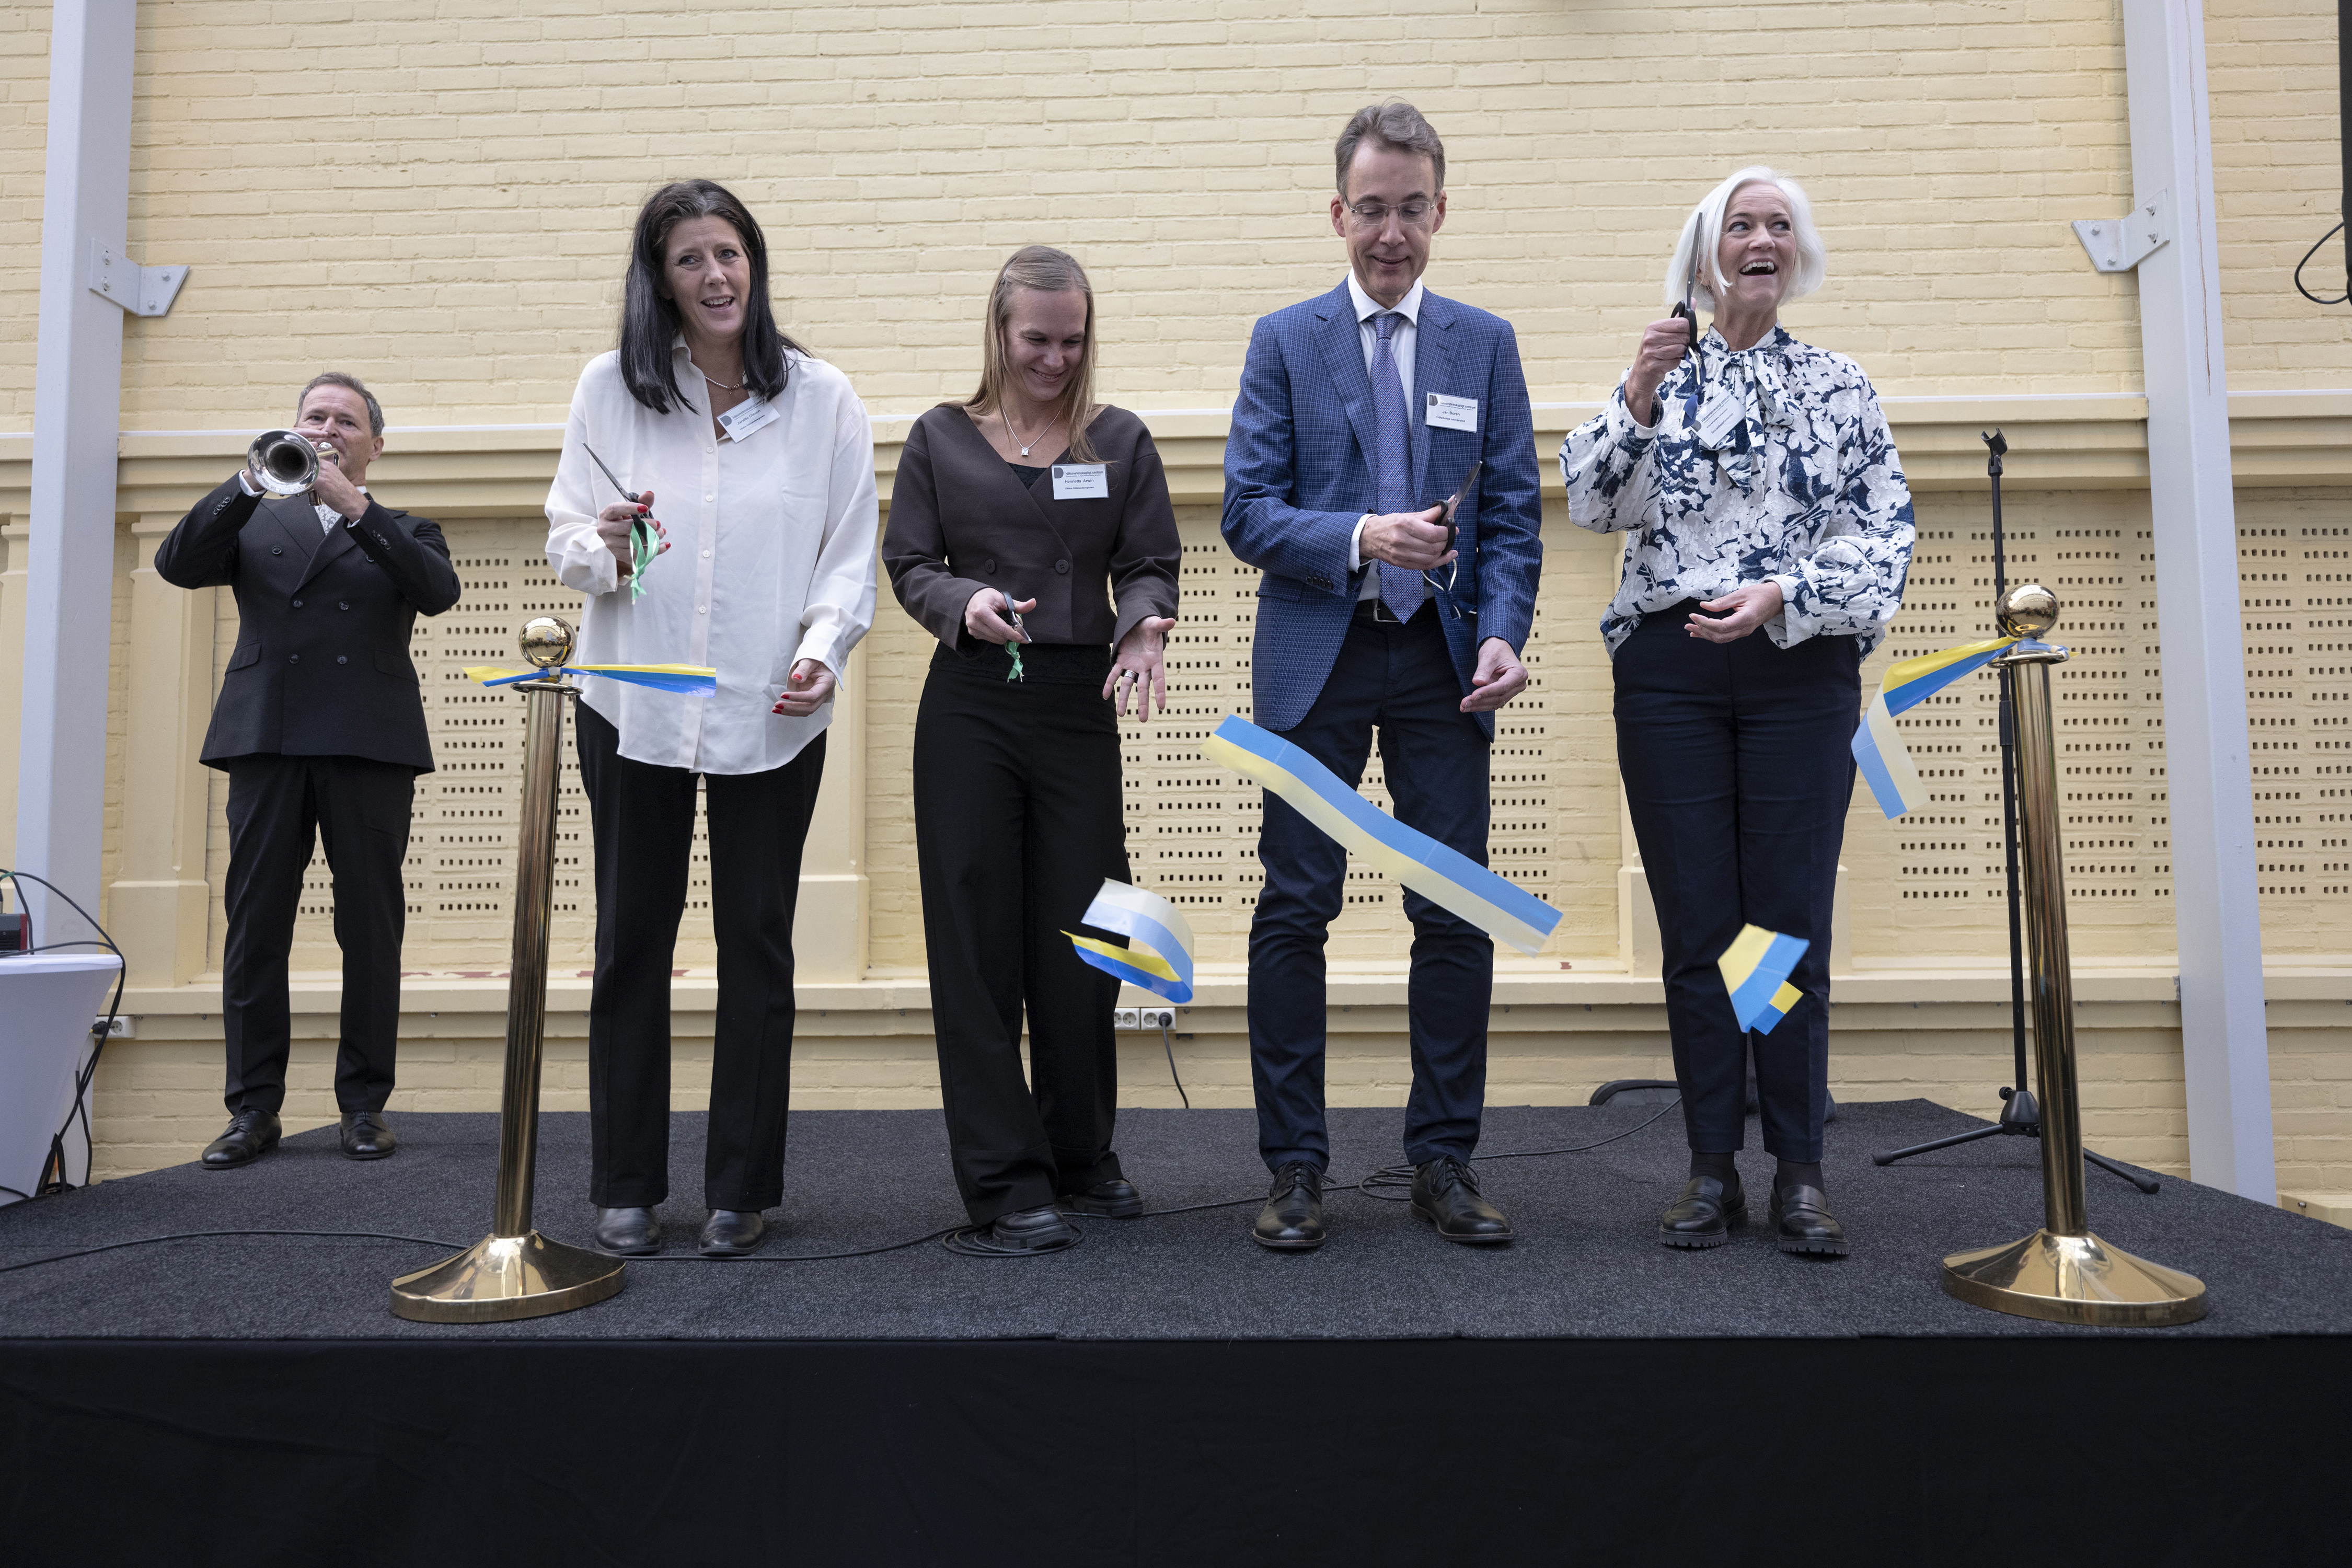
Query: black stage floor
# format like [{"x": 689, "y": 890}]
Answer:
[{"x": 1167, "y": 1392}]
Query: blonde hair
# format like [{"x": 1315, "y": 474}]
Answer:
[
  {"x": 1045, "y": 270},
  {"x": 1702, "y": 238}
]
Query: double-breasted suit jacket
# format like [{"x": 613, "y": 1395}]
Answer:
[{"x": 322, "y": 665}]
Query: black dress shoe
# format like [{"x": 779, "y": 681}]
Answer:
[
  {"x": 1292, "y": 1220},
  {"x": 631, "y": 1233},
  {"x": 1445, "y": 1194},
  {"x": 1801, "y": 1222},
  {"x": 1115, "y": 1198},
  {"x": 366, "y": 1136},
  {"x": 1704, "y": 1214},
  {"x": 730, "y": 1233},
  {"x": 1027, "y": 1232},
  {"x": 251, "y": 1134}
]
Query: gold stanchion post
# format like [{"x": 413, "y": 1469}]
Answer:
[
  {"x": 2062, "y": 1273},
  {"x": 515, "y": 1272}
]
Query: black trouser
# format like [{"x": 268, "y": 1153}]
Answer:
[
  {"x": 643, "y": 819},
  {"x": 1737, "y": 774},
  {"x": 1017, "y": 823},
  {"x": 1400, "y": 680},
  {"x": 277, "y": 808}
]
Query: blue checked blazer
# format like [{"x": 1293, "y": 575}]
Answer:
[{"x": 1298, "y": 475}]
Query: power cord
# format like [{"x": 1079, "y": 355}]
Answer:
[
  {"x": 2339, "y": 299},
  {"x": 202, "y": 1235},
  {"x": 50, "y": 1185},
  {"x": 1383, "y": 1183}
]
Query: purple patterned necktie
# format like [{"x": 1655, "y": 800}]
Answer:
[{"x": 1402, "y": 590}]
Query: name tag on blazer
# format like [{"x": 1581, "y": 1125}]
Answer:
[
  {"x": 1081, "y": 481},
  {"x": 1448, "y": 413}
]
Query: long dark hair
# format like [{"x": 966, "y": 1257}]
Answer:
[{"x": 649, "y": 323}]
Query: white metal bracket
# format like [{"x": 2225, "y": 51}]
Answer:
[
  {"x": 2118, "y": 245},
  {"x": 142, "y": 290}
]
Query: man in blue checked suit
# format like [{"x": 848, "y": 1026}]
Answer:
[{"x": 1359, "y": 413}]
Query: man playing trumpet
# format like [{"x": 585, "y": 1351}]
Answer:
[{"x": 321, "y": 728}]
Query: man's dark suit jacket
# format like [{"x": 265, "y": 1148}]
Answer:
[{"x": 321, "y": 666}]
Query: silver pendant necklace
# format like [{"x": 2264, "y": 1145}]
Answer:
[{"x": 1015, "y": 434}]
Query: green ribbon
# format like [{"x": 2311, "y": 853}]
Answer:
[{"x": 642, "y": 551}]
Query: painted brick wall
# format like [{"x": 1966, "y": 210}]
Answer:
[{"x": 435, "y": 192}]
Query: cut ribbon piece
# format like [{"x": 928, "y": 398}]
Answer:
[
  {"x": 1162, "y": 962},
  {"x": 687, "y": 679},
  {"x": 1755, "y": 969},
  {"x": 1878, "y": 749},
  {"x": 1443, "y": 875}
]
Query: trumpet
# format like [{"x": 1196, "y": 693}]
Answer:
[{"x": 281, "y": 463}]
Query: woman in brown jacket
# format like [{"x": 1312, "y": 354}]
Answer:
[{"x": 1032, "y": 533}]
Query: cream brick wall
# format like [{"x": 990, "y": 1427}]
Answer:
[{"x": 438, "y": 193}]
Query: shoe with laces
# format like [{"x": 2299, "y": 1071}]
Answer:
[{"x": 1445, "y": 1193}]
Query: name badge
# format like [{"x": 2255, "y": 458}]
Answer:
[
  {"x": 1719, "y": 417},
  {"x": 1453, "y": 413},
  {"x": 752, "y": 413},
  {"x": 1081, "y": 481}
]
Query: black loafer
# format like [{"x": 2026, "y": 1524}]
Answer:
[
  {"x": 251, "y": 1134},
  {"x": 1445, "y": 1193},
  {"x": 730, "y": 1233},
  {"x": 1027, "y": 1232},
  {"x": 366, "y": 1136},
  {"x": 1116, "y": 1197},
  {"x": 1705, "y": 1215},
  {"x": 631, "y": 1233},
  {"x": 1292, "y": 1219},
  {"x": 1801, "y": 1222}
]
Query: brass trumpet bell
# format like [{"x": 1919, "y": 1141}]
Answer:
[{"x": 281, "y": 463}]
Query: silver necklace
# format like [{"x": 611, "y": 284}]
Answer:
[
  {"x": 1007, "y": 414},
  {"x": 714, "y": 381}
]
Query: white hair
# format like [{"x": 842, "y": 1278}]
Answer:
[{"x": 1703, "y": 232}]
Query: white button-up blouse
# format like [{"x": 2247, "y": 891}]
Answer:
[{"x": 770, "y": 558}]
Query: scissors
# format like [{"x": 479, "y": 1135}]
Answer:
[{"x": 1453, "y": 504}]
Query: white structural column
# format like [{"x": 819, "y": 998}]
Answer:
[
  {"x": 76, "y": 403},
  {"x": 2207, "y": 771}
]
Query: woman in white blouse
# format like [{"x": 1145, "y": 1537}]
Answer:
[
  {"x": 759, "y": 462},
  {"x": 1767, "y": 535}
]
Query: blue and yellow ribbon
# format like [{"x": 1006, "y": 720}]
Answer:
[
  {"x": 1443, "y": 875},
  {"x": 1755, "y": 969},
  {"x": 687, "y": 679},
  {"x": 1878, "y": 749},
  {"x": 1160, "y": 955}
]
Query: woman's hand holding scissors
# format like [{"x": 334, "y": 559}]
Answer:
[{"x": 613, "y": 526}]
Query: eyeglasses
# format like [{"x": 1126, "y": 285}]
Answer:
[{"x": 1375, "y": 214}]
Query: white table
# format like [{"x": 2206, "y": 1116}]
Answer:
[{"x": 48, "y": 1001}]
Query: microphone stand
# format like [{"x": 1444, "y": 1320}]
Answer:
[{"x": 2021, "y": 1117}]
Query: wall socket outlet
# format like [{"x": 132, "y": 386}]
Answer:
[
  {"x": 1155, "y": 1017},
  {"x": 1123, "y": 1019},
  {"x": 122, "y": 1027}
]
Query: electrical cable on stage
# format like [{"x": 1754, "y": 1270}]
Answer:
[
  {"x": 1382, "y": 1182},
  {"x": 1387, "y": 1176},
  {"x": 205, "y": 1234}
]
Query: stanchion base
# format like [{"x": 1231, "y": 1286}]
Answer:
[
  {"x": 2073, "y": 1279},
  {"x": 502, "y": 1278}
]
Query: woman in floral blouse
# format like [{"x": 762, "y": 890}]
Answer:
[{"x": 1768, "y": 532}]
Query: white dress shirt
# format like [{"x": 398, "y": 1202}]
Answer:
[
  {"x": 1401, "y": 338},
  {"x": 770, "y": 558},
  {"x": 328, "y": 516}
]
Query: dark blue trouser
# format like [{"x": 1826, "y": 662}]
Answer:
[
  {"x": 1738, "y": 776},
  {"x": 1399, "y": 680}
]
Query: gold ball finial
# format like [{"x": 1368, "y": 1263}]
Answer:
[
  {"x": 2028, "y": 610},
  {"x": 546, "y": 641}
]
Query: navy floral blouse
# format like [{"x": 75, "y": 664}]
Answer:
[{"x": 1772, "y": 463}]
